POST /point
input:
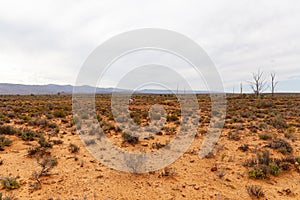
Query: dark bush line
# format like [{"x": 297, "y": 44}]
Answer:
[
  {"x": 263, "y": 165},
  {"x": 25, "y": 134}
]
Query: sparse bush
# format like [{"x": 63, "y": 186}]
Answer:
[
  {"x": 244, "y": 147},
  {"x": 291, "y": 129},
  {"x": 262, "y": 126},
  {"x": 233, "y": 136},
  {"x": 263, "y": 158},
  {"x": 33, "y": 151},
  {"x": 46, "y": 164},
  {"x": 9, "y": 183},
  {"x": 99, "y": 118},
  {"x": 278, "y": 122},
  {"x": 172, "y": 118},
  {"x": 38, "y": 122},
  {"x": 49, "y": 116},
  {"x": 128, "y": 137},
  {"x": 59, "y": 114},
  {"x": 290, "y": 135},
  {"x": 172, "y": 130},
  {"x": 85, "y": 116},
  {"x": 265, "y": 136},
  {"x": 137, "y": 120},
  {"x": 8, "y": 130},
  {"x": 158, "y": 145},
  {"x": 265, "y": 104},
  {"x": 4, "y": 141},
  {"x": 250, "y": 163},
  {"x": 38, "y": 152},
  {"x": 28, "y": 135},
  {"x": 44, "y": 143},
  {"x": 285, "y": 166},
  {"x": 9, "y": 197},
  {"x": 281, "y": 145},
  {"x": 52, "y": 125},
  {"x": 64, "y": 121},
  {"x": 167, "y": 171},
  {"x": 155, "y": 116},
  {"x": 57, "y": 142},
  {"x": 264, "y": 165},
  {"x": 255, "y": 191},
  {"x": 89, "y": 142},
  {"x": 73, "y": 148},
  {"x": 106, "y": 126}
]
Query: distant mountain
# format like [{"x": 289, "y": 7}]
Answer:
[
  {"x": 7, "y": 88},
  {"x": 156, "y": 91}
]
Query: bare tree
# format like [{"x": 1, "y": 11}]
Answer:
[
  {"x": 273, "y": 82},
  {"x": 259, "y": 84},
  {"x": 241, "y": 87}
]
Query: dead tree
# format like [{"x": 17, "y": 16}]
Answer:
[
  {"x": 273, "y": 83},
  {"x": 241, "y": 87},
  {"x": 258, "y": 84}
]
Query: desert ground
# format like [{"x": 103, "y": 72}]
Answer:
[{"x": 257, "y": 156}]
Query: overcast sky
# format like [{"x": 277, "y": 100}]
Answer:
[{"x": 47, "y": 41}]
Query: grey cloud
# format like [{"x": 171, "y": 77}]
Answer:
[{"x": 53, "y": 39}]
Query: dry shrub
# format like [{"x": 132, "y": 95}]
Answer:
[{"x": 255, "y": 191}]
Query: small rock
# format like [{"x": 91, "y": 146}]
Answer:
[
  {"x": 287, "y": 191},
  {"x": 214, "y": 169},
  {"x": 144, "y": 144}
]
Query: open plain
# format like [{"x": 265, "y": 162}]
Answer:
[{"x": 257, "y": 155}]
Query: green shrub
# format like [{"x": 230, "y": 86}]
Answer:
[
  {"x": 274, "y": 169},
  {"x": 9, "y": 183},
  {"x": 257, "y": 173}
]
